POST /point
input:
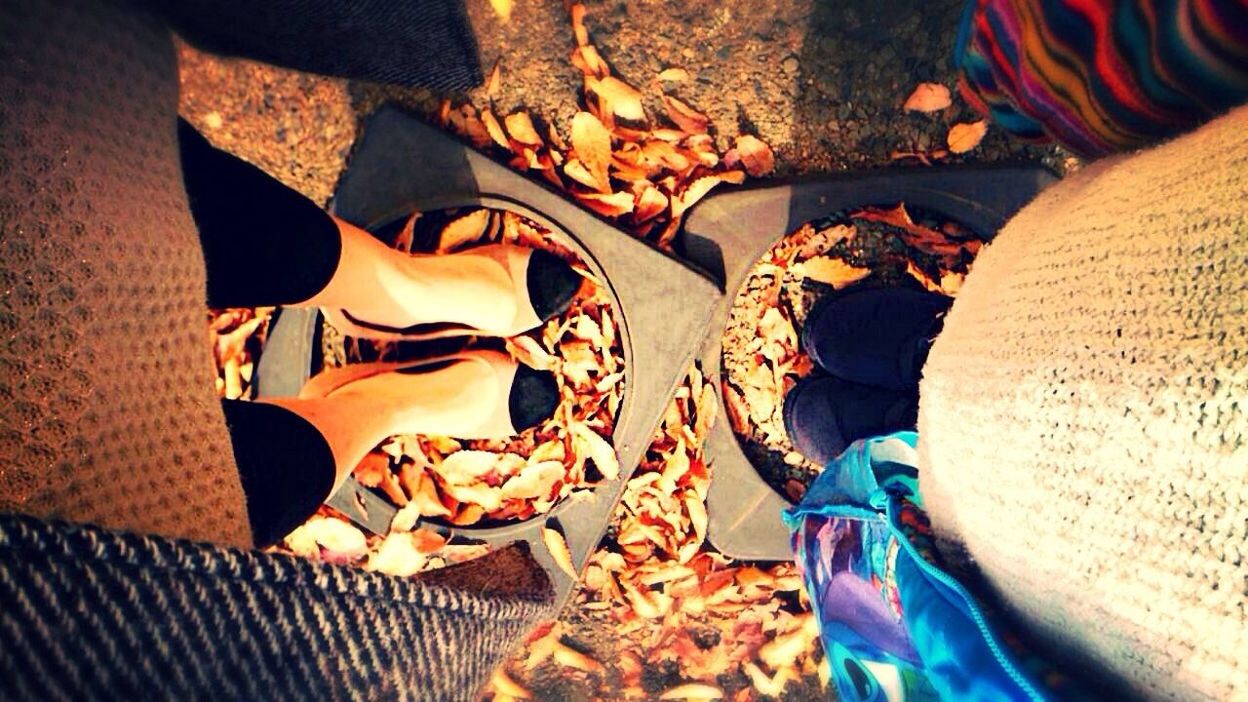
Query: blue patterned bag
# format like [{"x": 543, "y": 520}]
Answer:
[{"x": 894, "y": 625}]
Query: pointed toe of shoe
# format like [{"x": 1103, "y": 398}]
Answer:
[
  {"x": 552, "y": 284},
  {"x": 534, "y": 397}
]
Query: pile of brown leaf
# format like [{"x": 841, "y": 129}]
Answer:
[
  {"x": 762, "y": 355},
  {"x": 721, "y": 629},
  {"x": 236, "y": 336},
  {"x": 617, "y": 161}
]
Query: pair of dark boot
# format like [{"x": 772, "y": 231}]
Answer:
[{"x": 870, "y": 345}]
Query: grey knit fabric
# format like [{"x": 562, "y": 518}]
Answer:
[
  {"x": 1084, "y": 417},
  {"x": 88, "y": 614}
]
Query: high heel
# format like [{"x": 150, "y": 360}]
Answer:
[
  {"x": 524, "y": 397},
  {"x": 542, "y": 283}
]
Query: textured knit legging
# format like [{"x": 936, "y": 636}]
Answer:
[{"x": 264, "y": 244}]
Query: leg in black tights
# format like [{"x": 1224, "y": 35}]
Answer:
[{"x": 264, "y": 244}]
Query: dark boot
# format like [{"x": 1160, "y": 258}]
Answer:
[
  {"x": 824, "y": 415},
  {"x": 878, "y": 337}
]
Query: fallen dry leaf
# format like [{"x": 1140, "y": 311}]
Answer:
[
  {"x": 520, "y": 127},
  {"x": 755, "y": 155},
  {"x": 965, "y": 136},
  {"x": 674, "y": 75},
  {"x": 464, "y": 230},
  {"x": 502, "y": 8},
  {"x": 832, "y": 271},
  {"x": 566, "y": 655},
  {"x": 494, "y": 129},
  {"x": 581, "y": 34},
  {"x": 558, "y": 547},
  {"x": 592, "y": 143},
  {"x": 685, "y": 117},
  {"x": 928, "y": 97},
  {"x": 494, "y": 82},
  {"x": 611, "y": 205},
  {"x": 618, "y": 98},
  {"x": 598, "y": 450},
  {"x": 693, "y": 691}
]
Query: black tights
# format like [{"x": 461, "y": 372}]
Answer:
[{"x": 264, "y": 244}]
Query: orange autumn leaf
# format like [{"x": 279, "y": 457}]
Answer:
[
  {"x": 928, "y": 97},
  {"x": 612, "y": 205},
  {"x": 833, "y": 271},
  {"x": 558, "y": 548},
  {"x": 650, "y": 203},
  {"x": 502, "y": 8},
  {"x": 464, "y": 230},
  {"x": 685, "y": 117},
  {"x": 495, "y": 129},
  {"x": 965, "y": 136},
  {"x": 577, "y": 171},
  {"x": 371, "y": 469},
  {"x": 692, "y": 691},
  {"x": 618, "y": 98},
  {"x": 590, "y": 62},
  {"x": 577, "y": 12},
  {"x": 520, "y": 127},
  {"x": 755, "y": 155},
  {"x": 566, "y": 655},
  {"x": 674, "y": 75},
  {"x": 699, "y": 188},
  {"x": 592, "y": 143},
  {"x": 494, "y": 82}
]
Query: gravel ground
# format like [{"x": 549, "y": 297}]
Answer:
[{"x": 821, "y": 81}]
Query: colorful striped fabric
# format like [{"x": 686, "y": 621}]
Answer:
[{"x": 1101, "y": 76}]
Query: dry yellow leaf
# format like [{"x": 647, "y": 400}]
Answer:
[
  {"x": 558, "y": 548},
  {"x": 578, "y": 24},
  {"x": 526, "y": 350},
  {"x": 650, "y": 203},
  {"x": 833, "y": 271},
  {"x": 693, "y": 691},
  {"x": 592, "y": 143},
  {"x": 494, "y": 82},
  {"x": 700, "y": 187},
  {"x": 566, "y": 655},
  {"x": 589, "y": 62},
  {"x": 674, "y": 75},
  {"x": 477, "y": 495},
  {"x": 598, "y": 450},
  {"x": 520, "y": 127},
  {"x": 755, "y": 155},
  {"x": 494, "y": 129},
  {"x": 928, "y": 97},
  {"x": 577, "y": 171},
  {"x": 965, "y": 136},
  {"x": 685, "y": 117},
  {"x": 697, "y": 514},
  {"x": 463, "y": 230},
  {"x": 612, "y": 205},
  {"x": 397, "y": 556},
  {"x": 502, "y": 8},
  {"x": 534, "y": 481},
  {"x": 618, "y": 98}
]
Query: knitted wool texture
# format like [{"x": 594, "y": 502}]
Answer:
[
  {"x": 94, "y": 615},
  {"x": 1084, "y": 417},
  {"x": 107, "y": 409}
]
